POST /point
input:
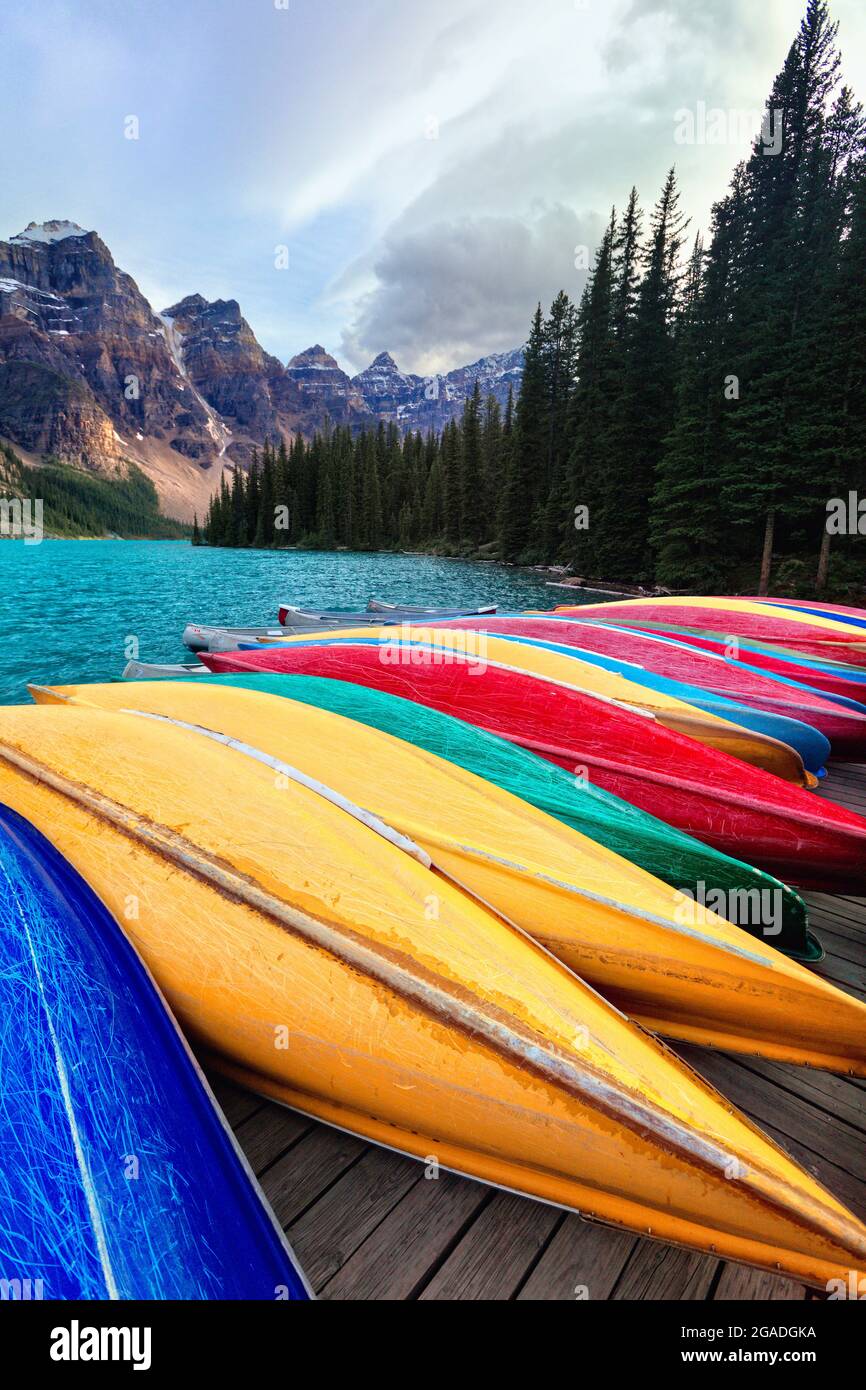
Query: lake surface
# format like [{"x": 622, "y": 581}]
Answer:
[{"x": 78, "y": 610}]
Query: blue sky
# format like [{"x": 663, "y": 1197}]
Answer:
[{"x": 432, "y": 168}]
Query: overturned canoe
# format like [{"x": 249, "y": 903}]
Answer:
[
  {"x": 155, "y": 671},
  {"x": 417, "y": 645},
  {"x": 729, "y": 887},
  {"x": 833, "y": 678},
  {"x": 855, "y": 617},
  {"x": 375, "y": 614},
  {"x": 198, "y": 637},
  {"x": 818, "y": 636},
  {"x": 107, "y": 1124},
  {"x": 810, "y": 745},
  {"x": 664, "y": 959},
  {"x": 844, "y": 725},
  {"x": 738, "y": 809},
  {"x": 328, "y": 967}
]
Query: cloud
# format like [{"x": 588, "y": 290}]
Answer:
[{"x": 454, "y": 291}]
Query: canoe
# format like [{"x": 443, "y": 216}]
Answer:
[
  {"x": 376, "y": 605},
  {"x": 301, "y": 619},
  {"x": 107, "y": 1124},
  {"x": 417, "y": 645},
  {"x": 856, "y": 617},
  {"x": 151, "y": 671},
  {"x": 843, "y": 724},
  {"x": 325, "y": 965},
  {"x": 816, "y": 636},
  {"x": 736, "y": 808},
  {"x": 198, "y": 636},
  {"x": 731, "y": 888},
  {"x": 653, "y": 691},
  {"x": 665, "y": 960},
  {"x": 832, "y": 678}
]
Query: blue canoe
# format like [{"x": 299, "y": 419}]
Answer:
[{"x": 118, "y": 1175}]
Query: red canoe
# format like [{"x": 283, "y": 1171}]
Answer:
[
  {"x": 835, "y": 644},
  {"x": 845, "y": 728},
  {"x": 832, "y": 677},
  {"x": 727, "y": 803}
]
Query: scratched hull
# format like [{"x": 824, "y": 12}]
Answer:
[
  {"x": 672, "y": 965},
  {"x": 815, "y": 636},
  {"x": 843, "y": 726},
  {"x": 653, "y": 845},
  {"x": 107, "y": 1127},
  {"x": 738, "y": 809},
  {"x": 305, "y": 961}
]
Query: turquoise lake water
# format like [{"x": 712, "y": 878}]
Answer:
[{"x": 76, "y": 610}]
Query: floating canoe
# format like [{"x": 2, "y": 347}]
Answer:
[
  {"x": 844, "y": 725},
  {"x": 377, "y": 605},
  {"x": 153, "y": 671},
  {"x": 816, "y": 636},
  {"x": 120, "y": 1178},
  {"x": 728, "y": 804},
  {"x": 416, "y": 645},
  {"x": 301, "y": 619},
  {"x": 665, "y": 960},
  {"x": 832, "y": 678},
  {"x": 318, "y": 959},
  {"x": 733, "y": 889}
]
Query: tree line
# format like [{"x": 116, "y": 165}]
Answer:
[
  {"x": 686, "y": 424},
  {"x": 75, "y": 503}
]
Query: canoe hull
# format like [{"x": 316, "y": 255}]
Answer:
[{"x": 107, "y": 1115}]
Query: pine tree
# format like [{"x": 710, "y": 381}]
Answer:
[
  {"x": 471, "y": 470},
  {"x": 529, "y": 451}
]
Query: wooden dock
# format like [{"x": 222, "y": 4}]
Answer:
[{"x": 368, "y": 1224}]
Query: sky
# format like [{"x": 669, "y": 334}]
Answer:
[{"x": 401, "y": 175}]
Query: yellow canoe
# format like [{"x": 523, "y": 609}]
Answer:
[
  {"x": 660, "y": 957},
  {"x": 482, "y": 649},
  {"x": 326, "y": 966}
]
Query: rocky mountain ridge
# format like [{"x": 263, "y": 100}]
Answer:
[{"x": 91, "y": 375}]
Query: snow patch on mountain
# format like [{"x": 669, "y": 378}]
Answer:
[{"x": 48, "y": 232}]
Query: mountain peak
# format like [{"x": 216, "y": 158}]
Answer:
[
  {"x": 385, "y": 359},
  {"x": 45, "y": 233},
  {"x": 315, "y": 355}
]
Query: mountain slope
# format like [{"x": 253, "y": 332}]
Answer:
[{"x": 91, "y": 376}]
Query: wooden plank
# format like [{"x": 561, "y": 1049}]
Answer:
[
  {"x": 658, "y": 1272},
  {"x": 295, "y": 1181},
  {"x": 583, "y": 1261},
  {"x": 331, "y": 1230},
  {"x": 417, "y": 1236},
  {"x": 737, "y": 1281},
  {"x": 833, "y": 1095},
  {"x": 794, "y": 1117},
  {"x": 269, "y": 1133},
  {"x": 496, "y": 1253}
]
